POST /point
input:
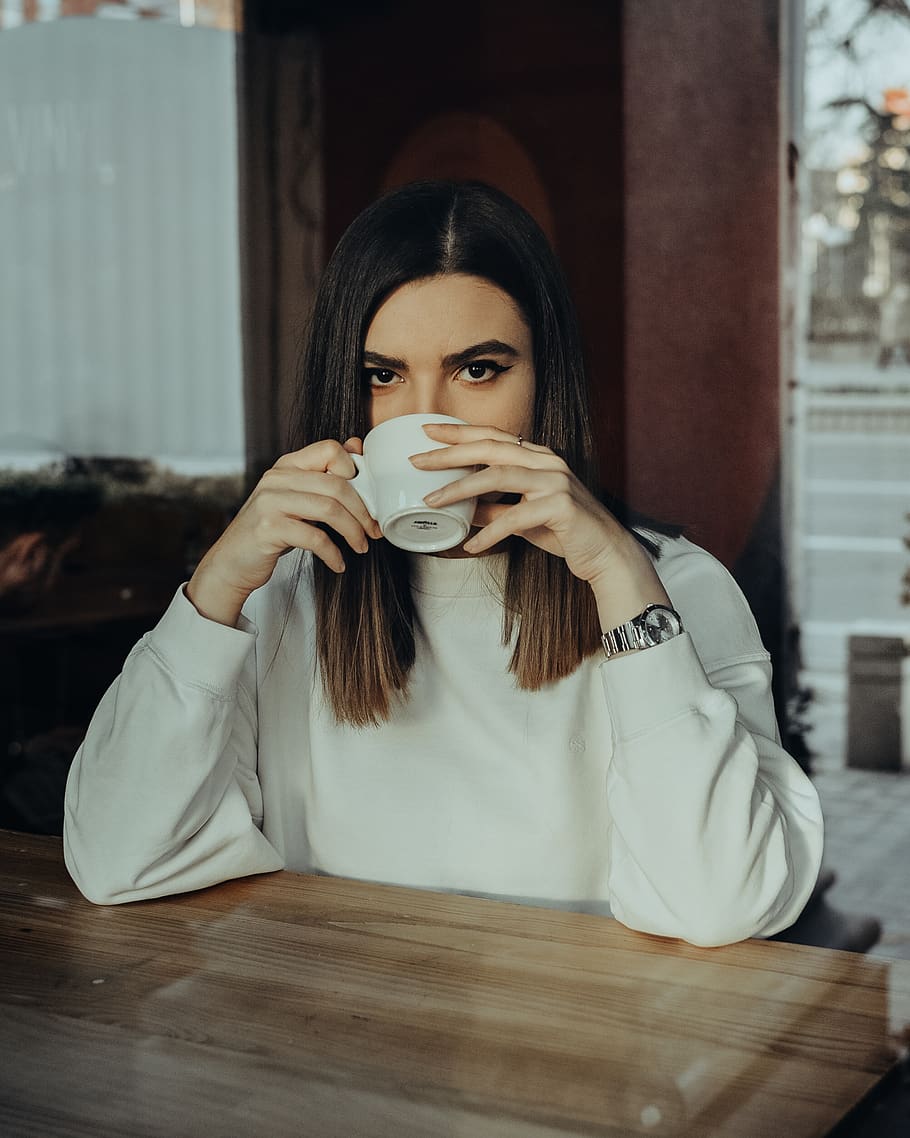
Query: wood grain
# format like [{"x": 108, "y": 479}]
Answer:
[{"x": 291, "y": 1004}]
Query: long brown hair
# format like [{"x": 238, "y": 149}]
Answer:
[{"x": 365, "y": 616}]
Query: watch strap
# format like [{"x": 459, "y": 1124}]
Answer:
[
  {"x": 624, "y": 638},
  {"x": 633, "y": 635}
]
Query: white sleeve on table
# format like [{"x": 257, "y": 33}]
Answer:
[
  {"x": 717, "y": 834},
  {"x": 162, "y": 796}
]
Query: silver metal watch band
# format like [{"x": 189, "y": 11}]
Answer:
[
  {"x": 625, "y": 638},
  {"x": 655, "y": 625}
]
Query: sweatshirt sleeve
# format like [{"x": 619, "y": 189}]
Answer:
[
  {"x": 717, "y": 833},
  {"x": 162, "y": 796}
]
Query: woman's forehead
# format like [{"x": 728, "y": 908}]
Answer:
[{"x": 451, "y": 301}]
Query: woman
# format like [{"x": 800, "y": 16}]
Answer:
[{"x": 452, "y": 722}]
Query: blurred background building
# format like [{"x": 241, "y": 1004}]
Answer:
[
  {"x": 851, "y": 400},
  {"x": 224, "y": 14}
]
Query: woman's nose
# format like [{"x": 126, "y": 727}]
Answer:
[{"x": 427, "y": 399}]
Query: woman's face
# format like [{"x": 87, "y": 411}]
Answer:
[{"x": 452, "y": 345}]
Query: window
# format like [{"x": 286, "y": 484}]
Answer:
[{"x": 119, "y": 284}]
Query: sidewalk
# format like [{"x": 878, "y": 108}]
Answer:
[
  {"x": 851, "y": 366},
  {"x": 867, "y": 813},
  {"x": 867, "y": 845}
]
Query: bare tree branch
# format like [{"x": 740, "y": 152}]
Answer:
[{"x": 874, "y": 8}]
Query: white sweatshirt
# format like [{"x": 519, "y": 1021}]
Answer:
[{"x": 652, "y": 784}]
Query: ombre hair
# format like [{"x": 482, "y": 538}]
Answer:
[{"x": 365, "y": 616}]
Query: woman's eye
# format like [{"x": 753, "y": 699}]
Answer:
[
  {"x": 480, "y": 371},
  {"x": 380, "y": 377}
]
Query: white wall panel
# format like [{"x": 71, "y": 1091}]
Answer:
[{"x": 119, "y": 269}]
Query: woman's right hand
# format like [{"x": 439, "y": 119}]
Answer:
[{"x": 302, "y": 488}]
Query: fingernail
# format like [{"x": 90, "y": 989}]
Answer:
[
  {"x": 434, "y": 497},
  {"x": 417, "y": 459}
]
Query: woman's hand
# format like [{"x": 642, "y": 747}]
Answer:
[
  {"x": 554, "y": 511},
  {"x": 303, "y": 488}
]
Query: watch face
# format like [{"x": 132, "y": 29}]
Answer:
[{"x": 662, "y": 624}]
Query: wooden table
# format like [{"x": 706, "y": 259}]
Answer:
[{"x": 289, "y": 1004}]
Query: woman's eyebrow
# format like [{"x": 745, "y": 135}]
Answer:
[
  {"x": 485, "y": 348},
  {"x": 391, "y": 362}
]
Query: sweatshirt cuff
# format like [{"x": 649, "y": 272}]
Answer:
[
  {"x": 201, "y": 651},
  {"x": 647, "y": 688}
]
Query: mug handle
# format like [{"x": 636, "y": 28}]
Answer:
[{"x": 362, "y": 485}]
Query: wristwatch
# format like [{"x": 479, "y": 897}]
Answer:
[{"x": 656, "y": 625}]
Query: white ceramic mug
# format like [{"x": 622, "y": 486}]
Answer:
[{"x": 392, "y": 489}]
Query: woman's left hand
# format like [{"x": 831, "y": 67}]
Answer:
[{"x": 554, "y": 510}]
